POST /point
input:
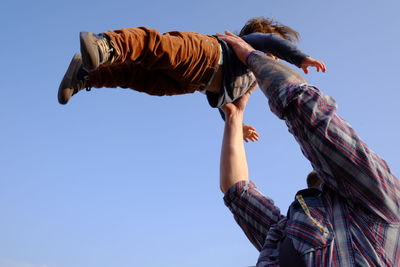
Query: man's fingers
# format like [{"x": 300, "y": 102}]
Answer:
[
  {"x": 251, "y": 90},
  {"x": 229, "y": 33}
]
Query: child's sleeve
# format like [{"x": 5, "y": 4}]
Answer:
[{"x": 276, "y": 45}]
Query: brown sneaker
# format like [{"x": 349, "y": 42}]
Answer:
[
  {"x": 74, "y": 80},
  {"x": 96, "y": 49}
]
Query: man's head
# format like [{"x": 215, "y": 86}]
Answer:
[
  {"x": 267, "y": 25},
  {"x": 313, "y": 180}
]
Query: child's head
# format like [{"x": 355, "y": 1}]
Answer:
[{"x": 267, "y": 25}]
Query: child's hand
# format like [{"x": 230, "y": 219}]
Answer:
[
  {"x": 249, "y": 133},
  {"x": 310, "y": 62}
]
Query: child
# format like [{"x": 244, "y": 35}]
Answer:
[{"x": 176, "y": 62}]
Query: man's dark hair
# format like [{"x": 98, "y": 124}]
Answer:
[
  {"x": 313, "y": 179},
  {"x": 267, "y": 25}
]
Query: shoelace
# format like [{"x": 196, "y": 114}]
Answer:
[{"x": 105, "y": 50}]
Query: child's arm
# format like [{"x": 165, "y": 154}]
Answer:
[
  {"x": 281, "y": 48},
  {"x": 250, "y": 133}
]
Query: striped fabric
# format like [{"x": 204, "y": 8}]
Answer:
[{"x": 352, "y": 220}]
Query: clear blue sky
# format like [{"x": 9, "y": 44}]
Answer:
[{"x": 119, "y": 178}]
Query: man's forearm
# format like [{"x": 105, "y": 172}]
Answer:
[
  {"x": 233, "y": 164},
  {"x": 271, "y": 75}
]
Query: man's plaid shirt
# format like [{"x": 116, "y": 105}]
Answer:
[{"x": 353, "y": 220}]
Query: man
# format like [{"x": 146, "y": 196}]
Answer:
[{"x": 351, "y": 217}]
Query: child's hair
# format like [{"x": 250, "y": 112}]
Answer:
[{"x": 267, "y": 25}]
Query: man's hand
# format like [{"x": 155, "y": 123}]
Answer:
[
  {"x": 310, "y": 62},
  {"x": 250, "y": 133},
  {"x": 241, "y": 48},
  {"x": 239, "y": 105},
  {"x": 237, "y": 108}
]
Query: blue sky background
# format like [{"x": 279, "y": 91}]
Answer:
[{"x": 120, "y": 178}]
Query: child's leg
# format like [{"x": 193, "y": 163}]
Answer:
[
  {"x": 126, "y": 75},
  {"x": 134, "y": 76},
  {"x": 147, "y": 61},
  {"x": 187, "y": 57}
]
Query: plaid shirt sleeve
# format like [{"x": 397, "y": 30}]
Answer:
[
  {"x": 341, "y": 159},
  {"x": 254, "y": 212}
]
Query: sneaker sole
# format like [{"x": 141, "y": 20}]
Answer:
[
  {"x": 65, "y": 90},
  {"x": 89, "y": 51}
]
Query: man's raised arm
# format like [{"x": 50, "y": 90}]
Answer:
[{"x": 233, "y": 163}]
